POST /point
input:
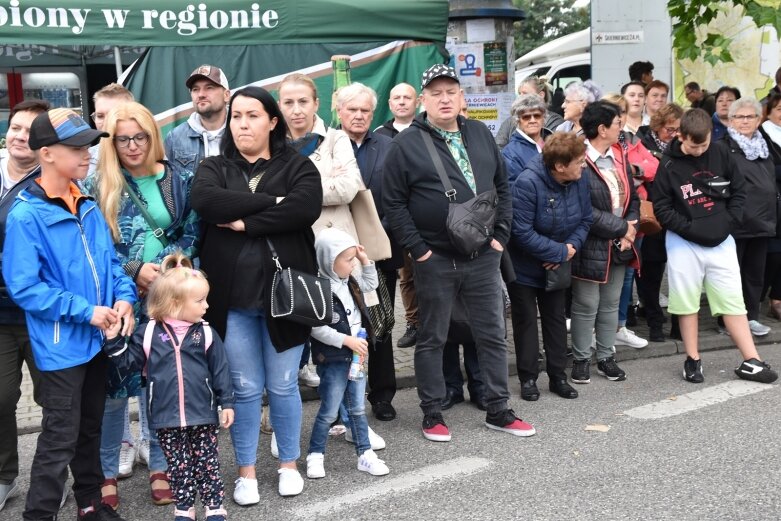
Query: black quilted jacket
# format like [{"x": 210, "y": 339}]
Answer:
[{"x": 592, "y": 261}]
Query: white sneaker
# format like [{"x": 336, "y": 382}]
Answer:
[
  {"x": 246, "y": 492},
  {"x": 369, "y": 462},
  {"x": 143, "y": 452},
  {"x": 314, "y": 465},
  {"x": 375, "y": 440},
  {"x": 308, "y": 377},
  {"x": 337, "y": 430},
  {"x": 127, "y": 460},
  {"x": 290, "y": 482},
  {"x": 757, "y": 328},
  {"x": 663, "y": 300},
  {"x": 568, "y": 321},
  {"x": 274, "y": 447},
  {"x": 625, "y": 337}
]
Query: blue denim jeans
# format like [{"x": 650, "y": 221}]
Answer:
[
  {"x": 334, "y": 388},
  {"x": 256, "y": 365},
  {"x": 626, "y": 296},
  {"x": 112, "y": 434}
]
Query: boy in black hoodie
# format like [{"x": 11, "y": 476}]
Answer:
[{"x": 698, "y": 197}]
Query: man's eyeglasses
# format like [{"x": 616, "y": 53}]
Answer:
[{"x": 139, "y": 139}]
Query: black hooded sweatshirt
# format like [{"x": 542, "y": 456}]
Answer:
[{"x": 688, "y": 196}]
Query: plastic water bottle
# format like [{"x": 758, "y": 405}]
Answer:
[{"x": 356, "y": 367}]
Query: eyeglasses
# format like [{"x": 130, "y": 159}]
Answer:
[
  {"x": 672, "y": 130},
  {"x": 529, "y": 117},
  {"x": 744, "y": 117},
  {"x": 139, "y": 139},
  {"x": 97, "y": 117}
]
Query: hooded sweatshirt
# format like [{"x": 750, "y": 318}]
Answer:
[
  {"x": 687, "y": 197},
  {"x": 329, "y": 244},
  {"x": 211, "y": 138}
]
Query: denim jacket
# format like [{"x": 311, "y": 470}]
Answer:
[{"x": 183, "y": 233}]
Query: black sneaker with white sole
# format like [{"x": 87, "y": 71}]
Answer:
[
  {"x": 610, "y": 370},
  {"x": 692, "y": 370},
  {"x": 756, "y": 371},
  {"x": 581, "y": 373}
]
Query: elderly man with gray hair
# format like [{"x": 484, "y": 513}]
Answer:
[{"x": 528, "y": 112}]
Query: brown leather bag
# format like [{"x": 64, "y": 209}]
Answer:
[{"x": 648, "y": 223}]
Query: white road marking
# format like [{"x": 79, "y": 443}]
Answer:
[
  {"x": 412, "y": 480},
  {"x": 696, "y": 400}
]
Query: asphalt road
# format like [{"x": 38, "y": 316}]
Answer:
[{"x": 674, "y": 450}]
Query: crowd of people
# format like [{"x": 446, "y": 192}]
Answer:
[{"x": 119, "y": 245}]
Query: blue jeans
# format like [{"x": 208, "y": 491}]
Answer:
[
  {"x": 626, "y": 296},
  {"x": 256, "y": 365},
  {"x": 334, "y": 388},
  {"x": 112, "y": 433}
]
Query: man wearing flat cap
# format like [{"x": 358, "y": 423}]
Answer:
[
  {"x": 416, "y": 207},
  {"x": 200, "y": 137}
]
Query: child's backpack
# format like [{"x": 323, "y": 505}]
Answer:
[{"x": 149, "y": 331}]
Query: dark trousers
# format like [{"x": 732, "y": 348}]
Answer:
[
  {"x": 382, "y": 370},
  {"x": 451, "y": 368},
  {"x": 752, "y": 256},
  {"x": 14, "y": 349},
  {"x": 773, "y": 276},
  {"x": 649, "y": 285},
  {"x": 73, "y": 401},
  {"x": 525, "y": 300},
  {"x": 439, "y": 281}
]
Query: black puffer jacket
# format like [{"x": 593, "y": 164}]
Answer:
[
  {"x": 759, "y": 215},
  {"x": 593, "y": 261}
]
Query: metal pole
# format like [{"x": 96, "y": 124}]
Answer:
[{"x": 118, "y": 61}]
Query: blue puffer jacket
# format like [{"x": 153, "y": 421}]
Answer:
[
  {"x": 546, "y": 217},
  {"x": 518, "y": 153},
  {"x": 58, "y": 266}
]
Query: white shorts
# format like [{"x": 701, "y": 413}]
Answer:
[{"x": 690, "y": 267}]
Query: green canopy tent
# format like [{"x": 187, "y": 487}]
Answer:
[{"x": 253, "y": 42}]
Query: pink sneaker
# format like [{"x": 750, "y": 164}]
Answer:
[
  {"x": 506, "y": 421},
  {"x": 434, "y": 428}
]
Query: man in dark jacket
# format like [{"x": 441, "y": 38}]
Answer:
[
  {"x": 698, "y": 196},
  {"x": 416, "y": 207},
  {"x": 700, "y": 99},
  {"x": 355, "y": 105}
]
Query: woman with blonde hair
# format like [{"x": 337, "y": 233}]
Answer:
[{"x": 146, "y": 203}]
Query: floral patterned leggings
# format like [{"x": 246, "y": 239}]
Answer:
[{"x": 193, "y": 464}]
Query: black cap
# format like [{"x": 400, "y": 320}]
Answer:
[
  {"x": 437, "y": 71},
  {"x": 64, "y": 127}
]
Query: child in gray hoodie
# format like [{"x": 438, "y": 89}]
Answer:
[{"x": 333, "y": 346}]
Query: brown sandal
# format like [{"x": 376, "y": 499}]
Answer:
[
  {"x": 111, "y": 500},
  {"x": 161, "y": 496}
]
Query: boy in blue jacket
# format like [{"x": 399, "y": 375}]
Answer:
[{"x": 60, "y": 267}]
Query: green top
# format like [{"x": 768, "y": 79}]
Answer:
[
  {"x": 458, "y": 151},
  {"x": 150, "y": 191}
]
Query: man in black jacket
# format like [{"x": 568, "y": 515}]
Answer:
[{"x": 416, "y": 208}]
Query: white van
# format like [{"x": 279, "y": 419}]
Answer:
[{"x": 562, "y": 60}]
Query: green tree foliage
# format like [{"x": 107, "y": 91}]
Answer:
[
  {"x": 690, "y": 14},
  {"x": 547, "y": 20}
]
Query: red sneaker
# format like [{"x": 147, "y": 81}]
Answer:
[
  {"x": 434, "y": 428},
  {"x": 506, "y": 421}
]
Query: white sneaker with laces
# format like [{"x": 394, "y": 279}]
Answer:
[
  {"x": 337, "y": 430},
  {"x": 308, "y": 377},
  {"x": 274, "y": 447},
  {"x": 127, "y": 460},
  {"x": 757, "y": 328},
  {"x": 375, "y": 440},
  {"x": 143, "y": 452},
  {"x": 290, "y": 482},
  {"x": 314, "y": 465},
  {"x": 369, "y": 462},
  {"x": 626, "y": 337},
  {"x": 246, "y": 492}
]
